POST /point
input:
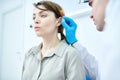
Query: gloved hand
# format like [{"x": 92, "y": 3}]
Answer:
[
  {"x": 70, "y": 29},
  {"x": 87, "y": 77}
]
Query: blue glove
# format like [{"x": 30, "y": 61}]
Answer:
[
  {"x": 70, "y": 29},
  {"x": 87, "y": 77}
]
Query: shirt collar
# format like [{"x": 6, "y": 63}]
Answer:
[{"x": 59, "y": 49}]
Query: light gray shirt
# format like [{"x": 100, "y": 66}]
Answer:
[{"x": 64, "y": 63}]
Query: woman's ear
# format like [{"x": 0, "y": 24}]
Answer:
[{"x": 59, "y": 21}]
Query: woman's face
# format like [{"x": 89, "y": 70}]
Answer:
[{"x": 45, "y": 22}]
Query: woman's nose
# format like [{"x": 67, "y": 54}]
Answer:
[{"x": 37, "y": 20}]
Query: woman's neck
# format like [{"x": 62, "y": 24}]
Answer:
[{"x": 48, "y": 44}]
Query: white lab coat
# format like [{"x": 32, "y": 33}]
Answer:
[
  {"x": 111, "y": 36},
  {"x": 89, "y": 61}
]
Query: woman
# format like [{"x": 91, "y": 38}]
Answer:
[{"x": 53, "y": 59}]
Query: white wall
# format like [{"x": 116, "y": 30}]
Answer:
[
  {"x": 0, "y": 38},
  {"x": 0, "y": 32},
  {"x": 11, "y": 35}
]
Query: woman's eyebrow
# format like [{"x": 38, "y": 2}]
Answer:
[{"x": 42, "y": 11}]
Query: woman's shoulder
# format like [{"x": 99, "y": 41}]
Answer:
[
  {"x": 69, "y": 50},
  {"x": 70, "y": 53}
]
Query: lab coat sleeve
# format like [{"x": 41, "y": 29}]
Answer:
[{"x": 91, "y": 65}]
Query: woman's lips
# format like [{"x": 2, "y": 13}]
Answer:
[{"x": 36, "y": 28}]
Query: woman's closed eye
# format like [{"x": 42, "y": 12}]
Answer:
[
  {"x": 43, "y": 15},
  {"x": 40, "y": 16}
]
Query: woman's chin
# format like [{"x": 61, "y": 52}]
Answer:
[{"x": 38, "y": 35}]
